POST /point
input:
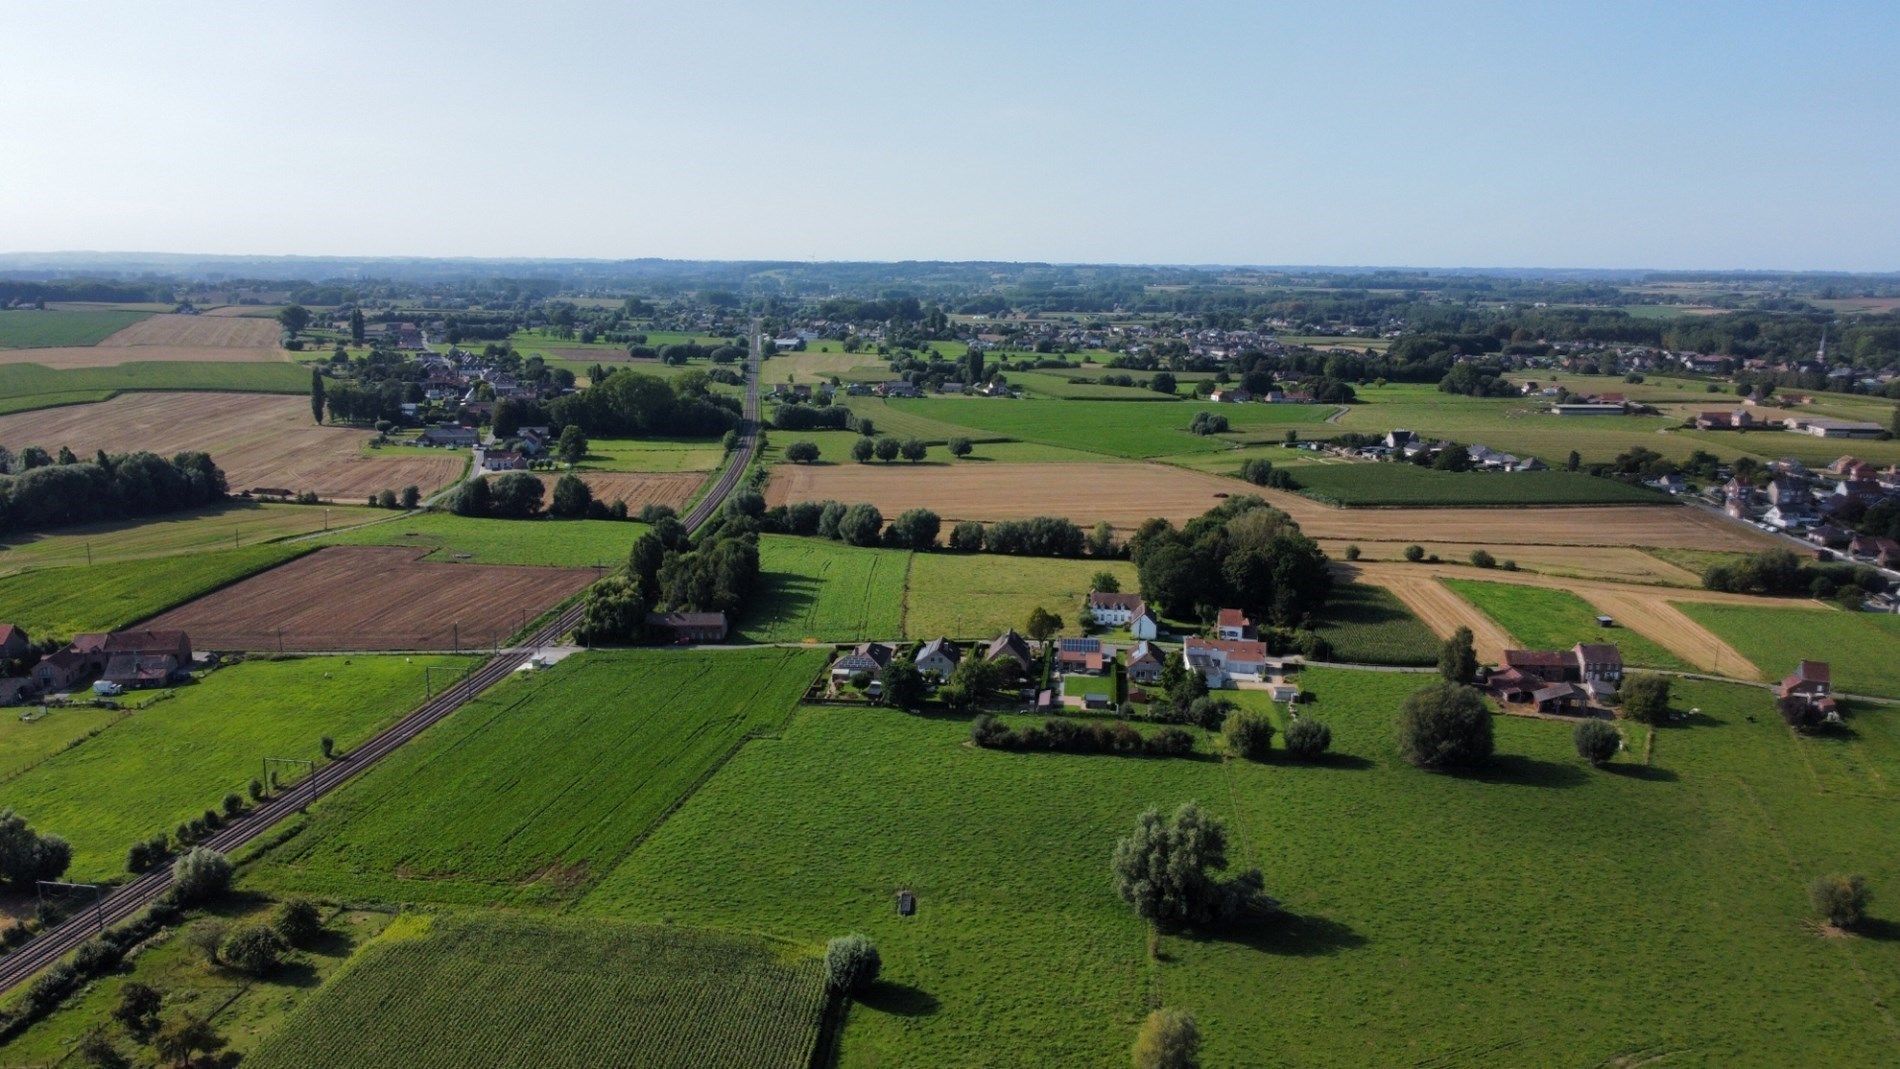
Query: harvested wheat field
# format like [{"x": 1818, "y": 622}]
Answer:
[
  {"x": 1644, "y": 610},
  {"x": 1126, "y": 494},
  {"x": 1619, "y": 564},
  {"x": 217, "y": 332},
  {"x": 673, "y": 488},
  {"x": 374, "y": 598},
  {"x": 259, "y": 440}
]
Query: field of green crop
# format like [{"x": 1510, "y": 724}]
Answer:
[
  {"x": 887, "y": 418},
  {"x": 653, "y": 454},
  {"x": 31, "y": 329},
  {"x": 1409, "y": 484},
  {"x": 176, "y": 757},
  {"x": 1580, "y": 882},
  {"x": 534, "y": 790},
  {"x": 1546, "y": 619},
  {"x": 463, "y": 539},
  {"x": 1366, "y": 624},
  {"x": 974, "y": 596},
  {"x": 29, "y": 386},
  {"x": 1116, "y": 428},
  {"x": 1864, "y": 648},
  {"x": 450, "y": 991},
  {"x": 1041, "y": 384},
  {"x": 61, "y": 602},
  {"x": 812, "y": 588},
  {"x": 234, "y": 524}
]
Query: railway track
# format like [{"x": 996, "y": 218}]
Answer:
[{"x": 127, "y": 899}]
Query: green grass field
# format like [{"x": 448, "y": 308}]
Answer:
[
  {"x": 976, "y": 596},
  {"x": 1041, "y": 384},
  {"x": 34, "y": 329},
  {"x": 462, "y": 539},
  {"x": 29, "y": 386},
  {"x": 540, "y": 786},
  {"x": 888, "y": 418},
  {"x": 234, "y": 524},
  {"x": 1116, "y": 428},
  {"x": 653, "y": 454},
  {"x": 24, "y": 744},
  {"x": 451, "y": 991},
  {"x": 812, "y": 588},
  {"x": 1861, "y": 646},
  {"x": 1546, "y": 619},
  {"x": 1366, "y": 624},
  {"x": 60, "y": 602},
  {"x": 1409, "y": 484},
  {"x": 175, "y": 758},
  {"x": 1581, "y": 882}
]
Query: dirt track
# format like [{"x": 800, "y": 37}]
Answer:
[{"x": 258, "y": 439}]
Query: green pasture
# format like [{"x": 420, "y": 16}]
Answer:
[
  {"x": 61, "y": 602},
  {"x": 37, "y": 329},
  {"x": 1042, "y": 384},
  {"x": 473, "y": 540},
  {"x": 1862, "y": 647},
  {"x": 1112, "y": 427},
  {"x": 653, "y": 454},
  {"x": 977, "y": 596},
  {"x": 233, "y": 524},
  {"x": 813, "y": 588},
  {"x": 29, "y": 386},
  {"x": 1546, "y": 619}
]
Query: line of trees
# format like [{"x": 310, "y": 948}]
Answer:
[{"x": 50, "y": 492}]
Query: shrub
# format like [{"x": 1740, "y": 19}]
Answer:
[
  {"x": 233, "y": 804},
  {"x": 26, "y": 856},
  {"x": 960, "y": 447},
  {"x": 327, "y": 745},
  {"x": 201, "y": 874},
  {"x": 138, "y": 1009},
  {"x": 1645, "y": 698},
  {"x": 1840, "y": 899},
  {"x": 1597, "y": 741},
  {"x": 1352, "y": 552},
  {"x": 1169, "y": 1039},
  {"x": 1483, "y": 559},
  {"x": 851, "y": 964},
  {"x": 967, "y": 537},
  {"x": 1248, "y": 734},
  {"x": 1415, "y": 553},
  {"x": 1458, "y": 658},
  {"x": 1307, "y": 739},
  {"x": 1445, "y": 725},
  {"x": 297, "y": 921},
  {"x": 254, "y": 948},
  {"x": 256, "y": 790}
]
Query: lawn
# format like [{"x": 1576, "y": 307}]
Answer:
[
  {"x": 175, "y": 758},
  {"x": 541, "y": 785},
  {"x": 61, "y": 602},
  {"x": 1864, "y": 648},
  {"x": 1116, "y": 428},
  {"x": 1546, "y": 619},
  {"x": 976, "y": 596},
  {"x": 25, "y": 743},
  {"x": 1409, "y": 484},
  {"x": 653, "y": 454},
  {"x": 455, "y": 991},
  {"x": 471, "y": 540},
  {"x": 30, "y": 386},
  {"x": 35, "y": 329},
  {"x": 816, "y": 589},
  {"x": 234, "y": 524},
  {"x": 1366, "y": 624},
  {"x": 1592, "y": 892}
]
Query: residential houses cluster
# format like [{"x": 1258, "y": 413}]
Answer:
[
  {"x": 1402, "y": 444},
  {"x": 1802, "y": 501},
  {"x": 111, "y": 660}
]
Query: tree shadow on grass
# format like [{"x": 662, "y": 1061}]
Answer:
[
  {"x": 1649, "y": 773},
  {"x": 1527, "y": 772},
  {"x": 1288, "y": 934},
  {"x": 1878, "y": 928},
  {"x": 900, "y": 1000}
]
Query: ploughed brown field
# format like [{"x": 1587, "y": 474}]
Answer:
[
  {"x": 1126, "y": 494},
  {"x": 673, "y": 488},
  {"x": 259, "y": 440},
  {"x": 374, "y": 598}
]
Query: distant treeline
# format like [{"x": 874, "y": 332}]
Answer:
[
  {"x": 83, "y": 289},
  {"x": 68, "y": 491}
]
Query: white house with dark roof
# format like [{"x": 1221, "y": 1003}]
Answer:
[
  {"x": 939, "y": 656},
  {"x": 1123, "y": 610}
]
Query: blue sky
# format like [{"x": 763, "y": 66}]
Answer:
[{"x": 1450, "y": 134}]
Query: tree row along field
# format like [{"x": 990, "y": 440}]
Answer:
[
  {"x": 448, "y": 991},
  {"x": 616, "y": 739},
  {"x": 171, "y": 759},
  {"x": 1393, "y": 967}
]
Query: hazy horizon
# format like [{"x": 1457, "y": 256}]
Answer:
[{"x": 1468, "y": 135}]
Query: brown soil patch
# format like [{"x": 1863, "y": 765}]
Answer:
[
  {"x": 259, "y": 440},
  {"x": 217, "y": 332},
  {"x": 1445, "y": 612},
  {"x": 635, "y": 488},
  {"x": 374, "y": 598},
  {"x": 1126, "y": 494}
]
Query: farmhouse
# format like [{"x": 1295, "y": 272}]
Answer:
[
  {"x": 1558, "y": 681},
  {"x": 864, "y": 657},
  {"x": 1123, "y": 610},
  {"x": 1223, "y": 661},
  {"x": 940, "y": 657},
  {"x": 1809, "y": 689},
  {"x": 686, "y": 627}
]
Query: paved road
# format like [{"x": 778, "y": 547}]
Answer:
[{"x": 128, "y": 899}]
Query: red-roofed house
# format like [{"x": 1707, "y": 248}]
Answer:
[
  {"x": 1233, "y": 625},
  {"x": 1224, "y": 661}
]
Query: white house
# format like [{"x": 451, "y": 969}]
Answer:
[
  {"x": 1233, "y": 625},
  {"x": 1224, "y": 661},
  {"x": 1123, "y": 610}
]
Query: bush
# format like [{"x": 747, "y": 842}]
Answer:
[
  {"x": 1597, "y": 741},
  {"x": 1352, "y": 552},
  {"x": 1307, "y": 739},
  {"x": 256, "y": 790},
  {"x": 1444, "y": 726},
  {"x": 1840, "y": 900},
  {"x": 138, "y": 1009},
  {"x": 253, "y": 948},
  {"x": 851, "y": 964},
  {"x": 1248, "y": 734},
  {"x": 297, "y": 921},
  {"x": 1415, "y": 553},
  {"x": 200, "y": 875},
  {"x": 801, "y": 452},
  {"x": 233, "y": 804},
  {"x": 1645, "y": 698},
  {"x": 1169, "y": 1039},
  {"x": 1483, "y": 559},
  {"x": 960, "y": 447}
]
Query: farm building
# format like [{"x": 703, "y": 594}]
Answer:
[
  {"x": 1555, "y": 680},
  {"x": 684, "y": 627},
  {"x": 13, "y": 642},
  {"x": 1810, "y": 684}
]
